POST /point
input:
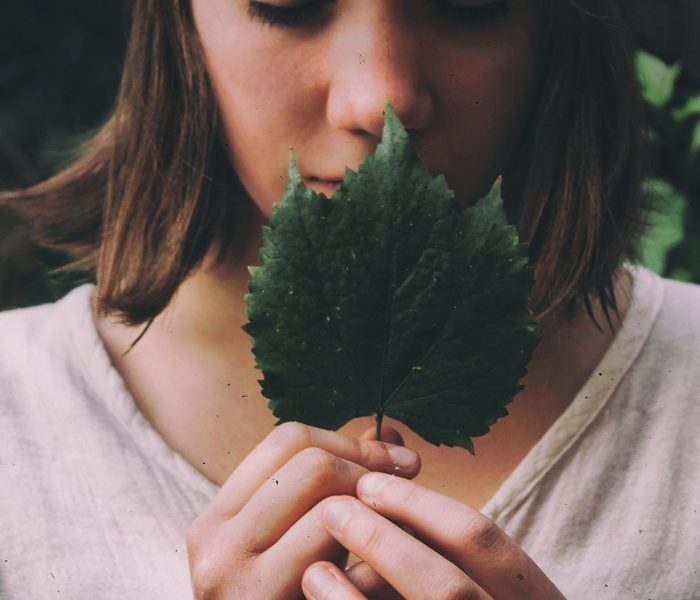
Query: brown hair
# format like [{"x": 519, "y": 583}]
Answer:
[
  {"x": 140, "y": 208},
  {"x": 578, "y": 200}
]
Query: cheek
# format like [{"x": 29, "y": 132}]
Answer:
[
  {"x": 252, "y": 105},
  {"x": 251, "y": 122},
  {"x": 262, "y": 113},
  {"x": 262, "y": 99}
]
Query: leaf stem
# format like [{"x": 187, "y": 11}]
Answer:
[{"x": 379, "y": 417}]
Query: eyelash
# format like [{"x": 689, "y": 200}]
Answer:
[
  {"x": 482, "y": 15},
  {"x": 479, "y": 15},
  {"x": 288, "y": 16}
]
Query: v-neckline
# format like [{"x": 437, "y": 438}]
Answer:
[{"x": 644, "y": 306}]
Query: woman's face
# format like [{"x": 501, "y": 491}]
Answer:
[{"x": 313, "y": 76}]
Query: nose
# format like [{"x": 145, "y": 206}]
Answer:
[{"x": 381, "y": 60}]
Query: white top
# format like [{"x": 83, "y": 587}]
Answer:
[{"x": 94, "y": 504}]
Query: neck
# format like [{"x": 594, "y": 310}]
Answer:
[{"x": 193, "y": 376}]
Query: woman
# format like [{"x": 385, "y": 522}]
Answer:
[{"x": 132, "y": 407}]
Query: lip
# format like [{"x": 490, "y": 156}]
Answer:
[{"x": 324, "y": 186}]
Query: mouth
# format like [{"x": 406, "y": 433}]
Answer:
[{"x": 327, "y": 187}]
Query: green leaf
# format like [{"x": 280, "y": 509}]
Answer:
[
  {"x": 388, "y": 299},
  {"x": 689, "y": 109},
  {"x": 665, "y": 223},
  {"x": 695, "y": 140},
  {"x": 657, "y": 78}
]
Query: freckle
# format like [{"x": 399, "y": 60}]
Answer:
[{"x": 521, "y": 577}]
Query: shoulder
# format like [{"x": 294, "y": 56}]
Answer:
[
  {"x": 676, "y": 329},
  {"x": 38, "y": 346},
  {"x": 668, "y": 310},
  {"x": 657, "y": 364},
  {"x": 662, "y": 382},
  {"x": 682, "y": 303},
  {"x": 28, "y": 332}
]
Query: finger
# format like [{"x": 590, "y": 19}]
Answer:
[
  {"x": 288, "y": 439},
  {"x": 307, "y": 542},
  {"x": 309, "y": 477},
  {"x": 370, "y": 583},
  {"x": 413, "y": 569},
  {"x": 462, "y": 534},
  {"x": 220, "y": 563},
  {"x": 325, "y": 581},
  {"x": 389, "y": 435}
]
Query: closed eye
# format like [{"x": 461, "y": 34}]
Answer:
[
  {"x": 313, "y": 12},
  {"x": 294, "y": 15},
  {"x": 484, "y": 14}
]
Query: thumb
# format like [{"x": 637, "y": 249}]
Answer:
[{"x": 389, "y": 435}]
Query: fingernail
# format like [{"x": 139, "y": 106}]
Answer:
[
  {"x": 403, "y": 457},
  {"x": 318, "y": 582},
  {"x": 338, "y": 515}
]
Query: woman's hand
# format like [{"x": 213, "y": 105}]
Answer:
[
  {"x": 456, "y": 552},
  {"x": 265, "y": 526}
]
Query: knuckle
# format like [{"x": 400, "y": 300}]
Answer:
[
  {"x": 206, "y": 579},
  {"x": 209, "y": 577},
  {"x": 214, "y": 572},
  {"x": 483, "y": 535},
  {"x": 318, "y": 465},
  {"x": 316, "y": 459},
  {"x": 377, "y": 454},
  {"x": 296, "y": 435},
  {"x": 194, "y": 537},
  {"x": 367, "y": 453},
  {"x": 217, "y": 560}
]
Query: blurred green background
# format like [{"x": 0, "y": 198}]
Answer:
[{"x": 59, "y": 72}]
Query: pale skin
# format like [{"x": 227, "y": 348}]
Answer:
[{"x": 320, "y": 88}]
